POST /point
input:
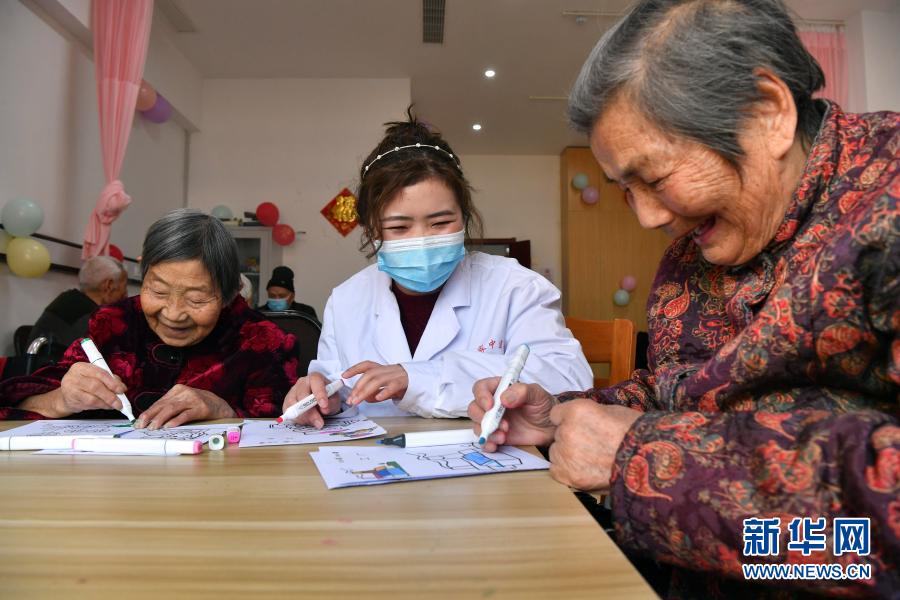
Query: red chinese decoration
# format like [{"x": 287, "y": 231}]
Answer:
[{"x": 341, "y": 212}]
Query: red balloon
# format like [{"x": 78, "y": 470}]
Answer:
[
  {"x": 116, "y": 253},
  {"x": 283, "y": 234},
  {"x": 267, "y": 214}
]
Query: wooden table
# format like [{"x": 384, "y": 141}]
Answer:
[{"x": 260, "y": 521}]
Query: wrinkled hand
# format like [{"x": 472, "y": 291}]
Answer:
[
  {"x": 527, "y": 417},
  {"x": 378, "y": 383},
  {"x": 314, "y": 383},
  {"x": 587, "y": 437},
  {"x": 183, "y": 404},
  {"x": 88, "y": 387}
]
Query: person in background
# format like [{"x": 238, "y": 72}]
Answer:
[
  {"x": 280, "y": 291},
  {"x": 773, "y": 389},
  {"x": 415, "y": 330},
  {"x": 188, "y": 348},
  {"x": 246, "y": 290},
  {"x": 101, "y": 280}
]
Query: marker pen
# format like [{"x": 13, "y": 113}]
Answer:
[
  {"x": 430, "y": 438},
  {"x": 96, "y": 358},
  {"x": 306, "y": 403},
  {"x": 36, "y": 442},
  {"x": 129, "y": 446},
  {"x": 491, "y": 420},
  {"x": 233, "y": 434}
]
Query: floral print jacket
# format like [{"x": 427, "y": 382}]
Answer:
[
  {"x": 245, "y": 360},
  {"x": 774, "y": 387}
]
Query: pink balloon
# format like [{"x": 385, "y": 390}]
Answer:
[
  {"x": 629, "y": 282},
  {"x": 590, "y": 195},
  {"x": 146, "y": 97}
]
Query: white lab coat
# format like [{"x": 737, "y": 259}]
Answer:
[{"x": 488, "y": 307}]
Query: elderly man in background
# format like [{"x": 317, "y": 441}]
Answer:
[
  {"x": 770, "y": 407},
  {"x": 101, "y": 280}
]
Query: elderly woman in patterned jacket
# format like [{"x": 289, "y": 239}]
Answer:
[
  {"x": 774, "y": 360},
  {"x": 187, "y": 349}
]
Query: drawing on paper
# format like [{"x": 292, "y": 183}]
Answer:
[
  {"x": 180, "y": 433},
  {"x": 469, "y": 458},
  {"x": 387, "y": 470},
  {"x": 270, "y": 433},
  {"x": 343, "y": 466}
]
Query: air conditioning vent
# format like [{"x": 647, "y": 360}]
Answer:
[{"x": 433, "y": 21}]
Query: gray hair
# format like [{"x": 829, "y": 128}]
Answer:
[
  {"x": 188, "y": 234},
  {"x": 689, "y": 67},
  {"x": 94, "y": 271}
]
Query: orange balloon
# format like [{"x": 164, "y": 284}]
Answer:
[{"x": 146, "y": 96}]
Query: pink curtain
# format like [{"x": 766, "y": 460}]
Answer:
[
  {"x": 121, "y": 34},
  {"x": 829, "y": 48}
]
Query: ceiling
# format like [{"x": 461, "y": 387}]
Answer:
[{"x": 534, "y": 48}]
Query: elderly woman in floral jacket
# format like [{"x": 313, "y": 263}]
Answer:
[
  {"x": 774, "y": 379},
  {"x": 187, "y": 349}
]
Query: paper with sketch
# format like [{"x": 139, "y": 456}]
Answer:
[
  {"x": 339, "y": 428},
  {"x": 112, "y": 428},
  {"x": 345, "y": 466}
]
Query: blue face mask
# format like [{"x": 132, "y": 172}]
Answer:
[
  {"x": 277, "y": 304},
  {"x": 422, "y": 264}
]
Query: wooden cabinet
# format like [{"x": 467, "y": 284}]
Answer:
[
  {"x": 258, "y": 255},
  {"x": 601, "y": 243}
]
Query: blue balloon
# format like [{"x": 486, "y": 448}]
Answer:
[
  {"x": 580, "y": 181},
  {"x": 621, "y": 298},
  {"x": 221, "y": 212},
  {"x": 21, "y": 217}
]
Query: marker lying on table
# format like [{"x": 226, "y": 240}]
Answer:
[
  {"x": 36, "y": 442},
  {"x": 430, "y": 438},
  {"x": 491, "y": 420},
  {"x": 96, "y": 358},
  {"x": 100, "y": 444},
  {"x": 307, "y": 403},
  {"x": 128, "y": 446}
]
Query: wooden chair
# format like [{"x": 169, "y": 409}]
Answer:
[{"x": 611, "y": 342}]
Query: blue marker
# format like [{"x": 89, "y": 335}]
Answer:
[{"x": 491, "y": 420}]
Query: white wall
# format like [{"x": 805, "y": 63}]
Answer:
[
  {"x": 518, "y": 196},
  {"x": 297, "y": 143},
  {"x": 50, "y": 152},
  {"x": 873, "y": 47}
]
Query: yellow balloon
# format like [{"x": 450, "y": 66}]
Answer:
[
  {"x": 27, "y": 257},
  {"x": 4, "y": 241}
]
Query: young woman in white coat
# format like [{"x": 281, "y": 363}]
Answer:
[{"x": 414, "y": 331}]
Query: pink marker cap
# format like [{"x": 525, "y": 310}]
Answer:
[
  {"x": 233, "y": 435},
  {"x": 198, "y": 447}
]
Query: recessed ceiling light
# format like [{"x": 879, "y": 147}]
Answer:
[
  {"x": 477, "y": 126},
  {"x": 490, "y": 73}
]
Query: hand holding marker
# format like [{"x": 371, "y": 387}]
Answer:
[
  {"x": 307, "y": 403},
  {"x": 96, "y": 358},
  {"x": 491, "y": 420}
]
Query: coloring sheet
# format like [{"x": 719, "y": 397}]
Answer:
[
  {"x": 339, "y": 428},
  {"x": 110, "y": 428},
  {"x": 86, "y": 428},
  {"x": 346, "y": 466}
]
